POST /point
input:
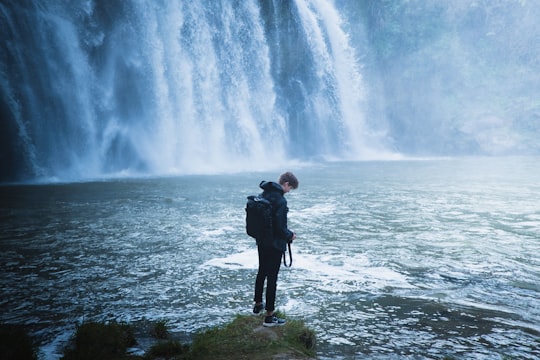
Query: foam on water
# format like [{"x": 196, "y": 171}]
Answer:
[
  {"x": 328, "y": 273},
  {"x": 389, "y": 257},
  {"x": 246, "y": 259}
]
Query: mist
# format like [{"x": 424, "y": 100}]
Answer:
[{"x": 93, "y": 89}]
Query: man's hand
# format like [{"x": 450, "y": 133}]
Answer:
[{"x": 293, "y": 237}]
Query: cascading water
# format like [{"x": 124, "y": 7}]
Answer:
[
  {"x": 339, "y": 94},
  {"x": 176, "y": 87},
  {"x": 95, "y": 89}
]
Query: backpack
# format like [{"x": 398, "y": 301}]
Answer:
[
  {"x": 259, "y": 219},
  {"x": 259, "y": 223}
]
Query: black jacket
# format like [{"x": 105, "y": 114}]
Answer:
[{"x": 274, "y": 193}]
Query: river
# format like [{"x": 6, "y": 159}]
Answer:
[{"x": 394, "y": 259}]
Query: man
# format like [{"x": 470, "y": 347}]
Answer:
[{"x": 270, "y": 256}]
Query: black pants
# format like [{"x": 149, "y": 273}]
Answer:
[{"x": 269, "y": 263}]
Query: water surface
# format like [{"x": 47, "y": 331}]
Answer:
[{"x": 405, "y": 259}]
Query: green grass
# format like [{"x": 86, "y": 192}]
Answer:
[
  {"x": 94, "y": 340},
  {"x": 169, "y": 349},
  {"x": 160, "y": 330},
  {"x": 242, "y": 338},
  {"x": 15, "y": 343},
  {"x": 238, "y": 340}
]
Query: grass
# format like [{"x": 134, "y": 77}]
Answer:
[
  {"x": 243, "y": 338},
  {"x": 170, "y": 349},
  {"x": 16, "y": 344},
  {"x": 160, "y": 330},
  {"x": 94, "y": 340}
]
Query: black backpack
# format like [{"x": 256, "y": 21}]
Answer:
[
  {"x": 259, "y": 219},
  {"x": 259, "y": 223}
]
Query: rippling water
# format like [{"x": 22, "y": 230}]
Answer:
[{"x": 405, "y": 259}]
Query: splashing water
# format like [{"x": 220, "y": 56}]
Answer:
[
  {"x": 178, "y": 88},
  {"x": 421, "y": 259}
]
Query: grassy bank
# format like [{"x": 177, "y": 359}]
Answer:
[
  {"x": 246, "y": 338},
  {"x": 242, "y": 338}
]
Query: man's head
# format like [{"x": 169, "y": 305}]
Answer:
[{"x": 288, "y": 181}]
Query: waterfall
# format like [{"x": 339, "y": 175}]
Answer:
[
  {"x": 340, "y": 92},
  {"x": 93, "y": 89},
  {"x": 144, "y": 87}
]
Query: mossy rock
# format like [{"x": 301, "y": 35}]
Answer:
[
  {"x": 243, "y": 338},
  {"x": 246, "y": 338}
]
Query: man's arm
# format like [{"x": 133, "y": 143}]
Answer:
[{"x": 281, "y": 229}]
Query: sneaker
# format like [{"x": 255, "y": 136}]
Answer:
[
  {"x": 273, "y": 320},
  {"x": 258, "y": 308}
]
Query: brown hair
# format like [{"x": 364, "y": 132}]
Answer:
[{"x": 290, "y": 178}]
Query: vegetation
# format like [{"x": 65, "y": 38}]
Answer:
[
  {"x": 243, "y": 338},
  {"x": 15, "y": 344},
  {"x": 100, "y": 341},
  {"x": 160, "y": 330},
  {"x": 170, "y": 349}
]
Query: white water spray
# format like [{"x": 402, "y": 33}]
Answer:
[
  {"x": 341, "y": 85},
  {"x": 184, "y": 87}
]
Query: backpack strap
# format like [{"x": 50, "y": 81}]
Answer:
[{"x": 290, "y": 257}]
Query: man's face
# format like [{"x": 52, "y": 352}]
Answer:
[{"x": 286, "y": 187}]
